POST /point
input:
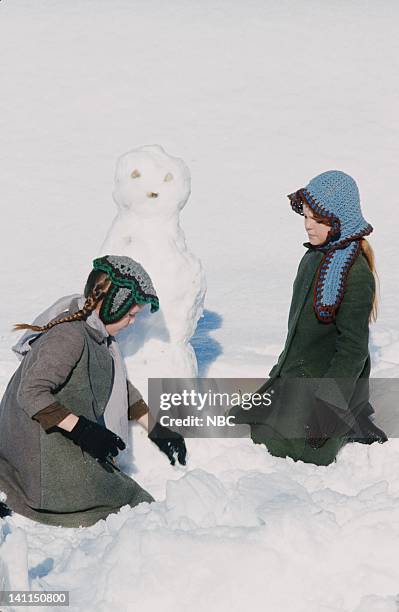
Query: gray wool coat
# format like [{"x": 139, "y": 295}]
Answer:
[{"x": 46, "y": 476}]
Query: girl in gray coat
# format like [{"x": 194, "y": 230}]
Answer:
[{"x": 64, "y": 414}]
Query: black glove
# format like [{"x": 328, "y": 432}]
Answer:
[
  {"x": 95, "y": 439},
  {"x": 4, "y": 510},
  {"x": 169, "y": 442},
  {"x": 323, "y": 425}
]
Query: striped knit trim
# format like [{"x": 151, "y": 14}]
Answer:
[{"x": 326, "y": 312}]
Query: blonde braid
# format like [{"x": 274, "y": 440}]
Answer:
[
  {"x": 96, "y": 294},
  {"x": 370, "y": 257}
]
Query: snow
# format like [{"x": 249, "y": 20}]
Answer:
[
  {"x": 256, "y": 98},
  {"x": 235, "y": 528}
]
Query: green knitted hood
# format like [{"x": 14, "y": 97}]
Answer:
[{"x": 130, "y": 284}]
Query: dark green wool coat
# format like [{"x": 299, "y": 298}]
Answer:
[
  {"x": 46, "y": 476},
  {"x": 326, "y": 361}
]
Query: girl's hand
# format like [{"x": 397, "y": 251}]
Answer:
[
  {"x": 69, "y": 422},
  {"x": 143, "y": 420},
  {"x": 95, "y": 439},
  {"x": 170, "y": 443}
]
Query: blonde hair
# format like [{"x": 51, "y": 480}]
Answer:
[
  {"x": 97, "y": 286},
  {"x": 370, "y": 257}
]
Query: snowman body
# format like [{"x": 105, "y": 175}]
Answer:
[{"x": 151, "y": 188}]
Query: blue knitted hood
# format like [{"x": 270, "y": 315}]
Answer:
[{"x": 333, "y": 195}]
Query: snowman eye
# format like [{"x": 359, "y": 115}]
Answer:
[
  {"x": 168, "y": 177},
  {"x": 135, "y": 174}
]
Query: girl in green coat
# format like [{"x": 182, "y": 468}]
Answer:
[
  {"x": 64, "y": 415},
  {"x": 319, "y": 386}
]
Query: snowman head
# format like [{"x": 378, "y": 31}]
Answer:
[{"x": 151, "y": 183}]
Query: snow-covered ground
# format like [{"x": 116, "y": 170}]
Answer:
[
  {"x": 235, "y": 530},
  {"x": 257, "y": 97}
]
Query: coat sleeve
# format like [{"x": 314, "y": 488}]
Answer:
[
  {"x": 351, "y": 349},
  {"x": 137, "y": 406},
  {"x": 51, "y": 415},
  {"x": 48, "y": 365},
  {"x": 293, "y": 307}
]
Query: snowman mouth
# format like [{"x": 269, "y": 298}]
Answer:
[{"x": 152, "y": 194}]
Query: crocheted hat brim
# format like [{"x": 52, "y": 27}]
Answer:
[
  {"x": 117, "y": 302},
  {"x": 301, "y": 197}
]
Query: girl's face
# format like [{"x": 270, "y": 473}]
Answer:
[
  {"x": 128, "y": 319},
  {"x": 317, "y": 231}
]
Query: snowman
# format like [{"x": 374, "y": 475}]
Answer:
[{"x": 151, "y": 188}]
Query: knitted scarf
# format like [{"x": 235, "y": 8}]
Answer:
[{"x": 333, "y": 195}]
